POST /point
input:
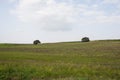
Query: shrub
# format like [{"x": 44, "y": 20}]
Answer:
[
  {"x": 85, "y": 39},
  {"x": 36, "y": 42}
]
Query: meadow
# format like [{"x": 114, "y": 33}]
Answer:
[{"x": 95, "y": 60}]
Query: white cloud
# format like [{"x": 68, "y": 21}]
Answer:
[
  {"x": 11, "y": 1},
  {"x": 53, "y": 15},
  {"x": 47, "y": 14},
  {"x": 111, "y": 1}
]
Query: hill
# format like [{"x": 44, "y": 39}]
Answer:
[{"x": 96, "y": 60}]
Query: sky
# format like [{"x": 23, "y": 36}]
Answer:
[{"x": 23, "y": 21}]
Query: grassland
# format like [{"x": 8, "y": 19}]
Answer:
[{"x": 96, "y": 60}]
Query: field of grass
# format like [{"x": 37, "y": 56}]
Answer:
[{"x": 96, "y": 60}]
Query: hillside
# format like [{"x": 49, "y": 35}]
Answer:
[{"x": 96, "y": 60}]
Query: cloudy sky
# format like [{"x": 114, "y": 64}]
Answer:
[{"x": 22, "y": 21}]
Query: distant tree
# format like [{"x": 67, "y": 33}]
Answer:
[
  {"x": 85, "y": 39},
  {"x": 36, "y": 42}
]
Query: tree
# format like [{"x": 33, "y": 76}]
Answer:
[
  {"x": 85, "y": 39},
  {"x": 36, "y": 42}
]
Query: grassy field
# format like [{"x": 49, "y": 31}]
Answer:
[{"x": 96, "y": 60}]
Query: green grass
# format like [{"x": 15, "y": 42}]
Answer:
[{"x": 96, "y": 60}]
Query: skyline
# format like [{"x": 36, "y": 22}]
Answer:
[{"x": 23, "y": 21}]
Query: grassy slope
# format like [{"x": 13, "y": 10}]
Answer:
[{"x": 97, "y": 60}]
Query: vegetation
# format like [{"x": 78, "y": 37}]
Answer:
[
  {"x": 36, "y": 42},
  {"x": 96, "y": 60},
  {"x": 85, "y": 39}
]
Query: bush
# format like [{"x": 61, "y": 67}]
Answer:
[
  {"x": 85, "y": 39},
  {"x": 36, "y": 42}
]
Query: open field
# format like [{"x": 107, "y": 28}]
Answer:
[{"x": 96, "y": 60}]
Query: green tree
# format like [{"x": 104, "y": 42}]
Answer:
[
  {"x": 36, "y": 42},
  {"x": 85, "y": 39}
]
